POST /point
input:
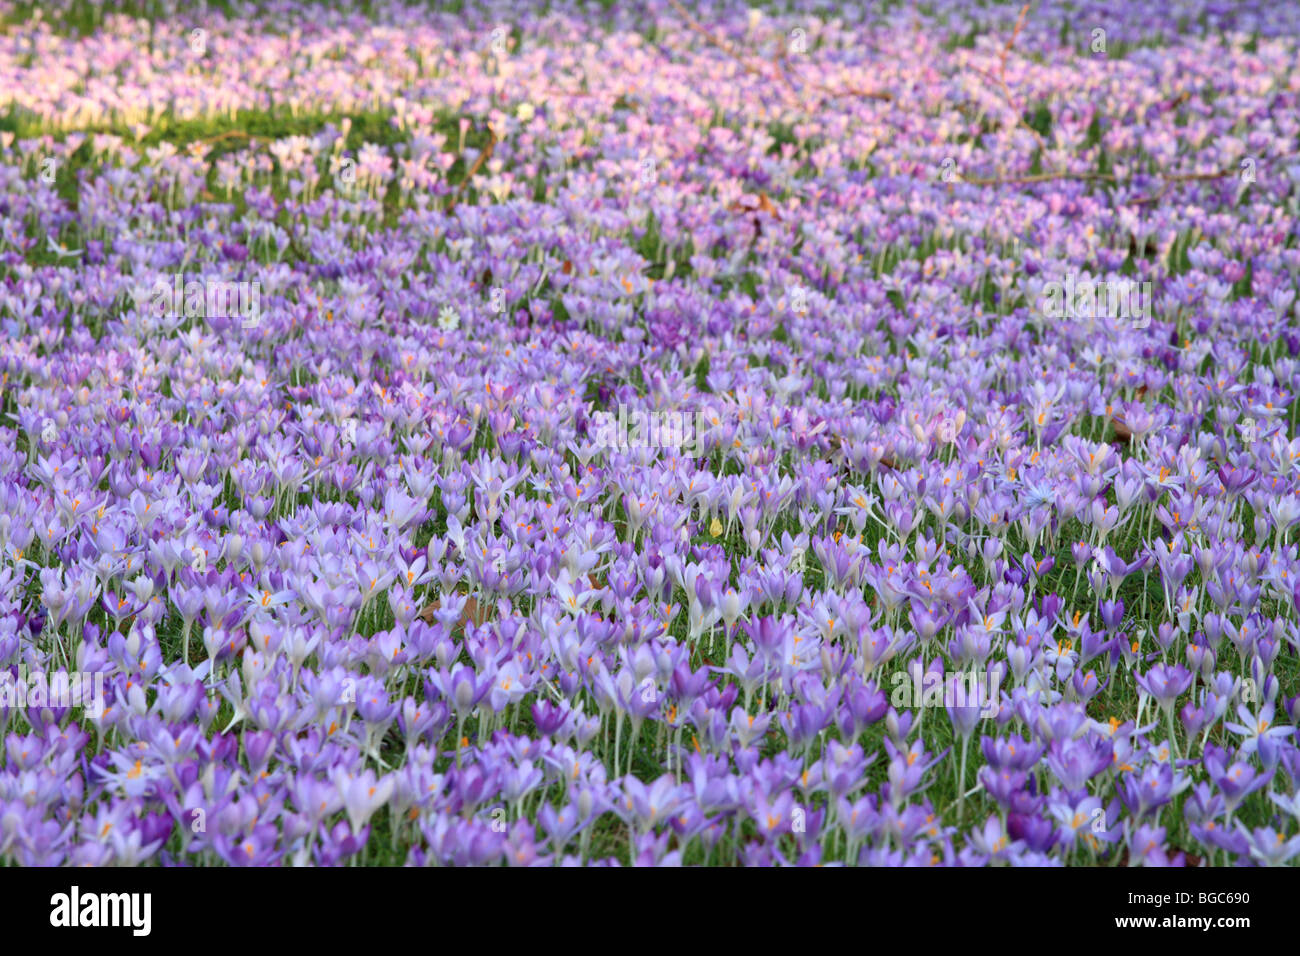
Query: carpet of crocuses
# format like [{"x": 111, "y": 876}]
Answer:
[{"x": 649, "y": 434}]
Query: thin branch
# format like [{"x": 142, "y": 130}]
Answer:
[
  {"x": 722, "y": 44},
  {"x": 1039, "y": 178},
  {"x": 1001, "y": 79},
  {"x": 1169, "y": 178},
  {"x": 783, "y": 63},
  {"x": 228, "y": 134},
  {"x": 1006, "y": 50},
  {"x": 473, "y": 170}
]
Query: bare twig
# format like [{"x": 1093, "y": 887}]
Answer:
[
  {"x": 783, "y": 63},
  {"x": 473, "y": 170},
  {"x": 721, "y": 43},
  {"x": 1153, "y": 198},
  {"x": 1039, "y": 178},
  {"x": 1001, "y": 79},
  {"x": 228, "y": 134},
  {"x": 1169, "y": 178},
  {"x": 1015, "y": 107},
  {"x": 1006, "y": 50}
]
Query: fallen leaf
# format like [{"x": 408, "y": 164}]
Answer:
[
  {"x": 753, "y": 205},
  {"x": 472, "y": 611},
  {"x": 765, "y": 204},
  {"x": 476, "y": 612}
]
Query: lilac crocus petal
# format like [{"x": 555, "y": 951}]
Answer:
[{"x": 812, "y": 461}]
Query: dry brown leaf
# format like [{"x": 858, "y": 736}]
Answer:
[
  {"x": 765, "y": 204},
  {"x": 476, "y": 612},
  {"x": 472, "y": 611}
]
